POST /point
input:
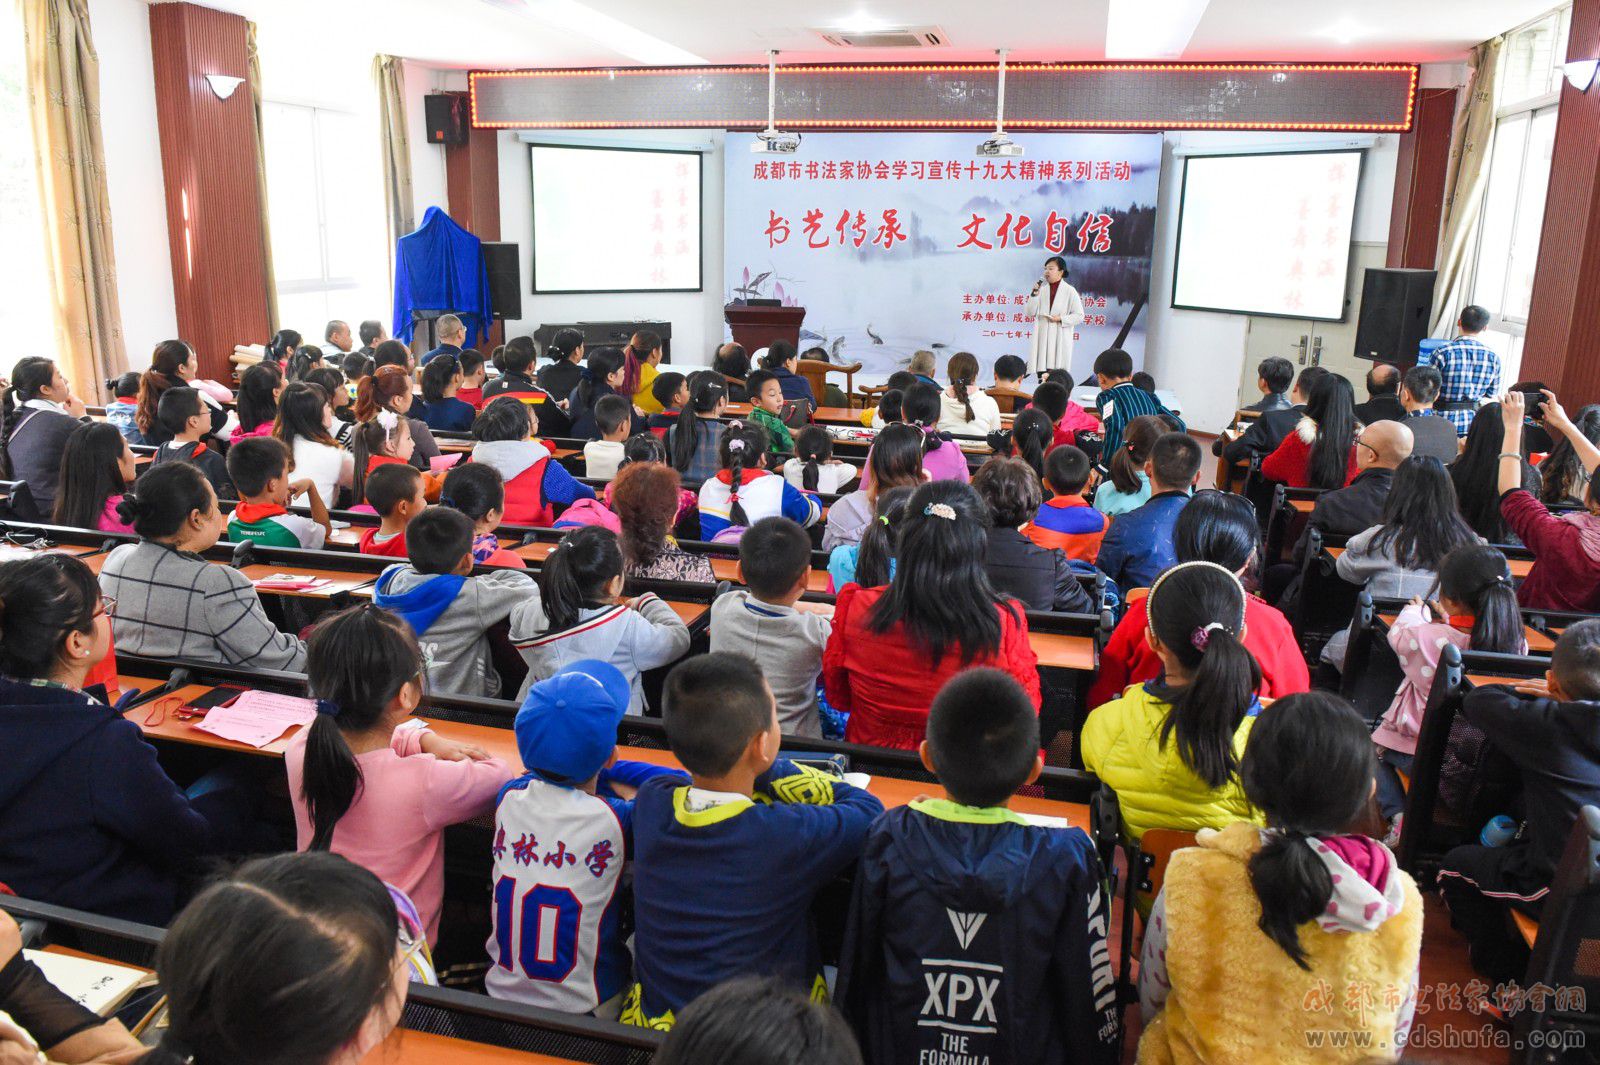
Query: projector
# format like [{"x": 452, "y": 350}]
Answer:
[
  {"x": 999, "y": 147},
  {"x": 775, "y": 142}
]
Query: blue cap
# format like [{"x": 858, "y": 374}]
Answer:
[{"x": 567, "y": 726}]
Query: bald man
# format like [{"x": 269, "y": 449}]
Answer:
[
  {"x": 1380, "y": 448},
  {"x": 1383, "y": 396}
]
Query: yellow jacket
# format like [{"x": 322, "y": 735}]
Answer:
[
  {"x": 643, "y": 398},
  {"x": 1237, "y": 998},
  {"x": 1155, "y": 789}
]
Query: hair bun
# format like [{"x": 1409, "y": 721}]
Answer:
[{"x": 128, "y": 508}]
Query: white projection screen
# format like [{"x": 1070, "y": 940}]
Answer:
[
  {"x": 615, "y": 219},
  {"x": 1266, "y": 234}
]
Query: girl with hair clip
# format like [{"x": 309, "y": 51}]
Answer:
[
  {"x": 368, "y": 780},
  {"x": 90, "y": 819},
  {"x": 743, "y": 491},
  {"x": 1253, "y": 924},
  {"x": 283, "y": 345},
  {"x": 97, "y": 465},
  {"x": 603, "y": 376},
  {"x": 37, "y": 415},
  {"x": 306, "y": 423},
  {"x": 642, "y": 355},
  {"x": 895, "y": 459},
  {"x": 692, "y": 443},
  {"x": 1170, "y": 748},
  {"x": 893, "y": 647},
  {"x": 172, "y": 365},
  {"x": 478, "y": 491},
  {"x": 1128, "y": 486},
  {"x": 648, "y": 499},
  {"x": 942, "y": 457},
  {"x": 386, "y": 439},
  {"x": 1030, "y": 438},
  {"x": 1476, "y": 610},
  {"x": 535, "y": 483},
  {"x": 813, "y": 468},
  {"x": 389, "y": 389},
  {"x": 441, "y": 379},
  {"x": 302, "y": 362},
  {"x": 296, "y": 959},
  {"x": 871, "y": 562},
  {"x": 565, "y": 352},
  {"x": 1321, "y": 451},
  {"x": 965, "y": 408},
  {"x": 257, "y": 406},
  {"x": 580, "y": 613}
]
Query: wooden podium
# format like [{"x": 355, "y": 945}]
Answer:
[{"x": 757, "y": 327}]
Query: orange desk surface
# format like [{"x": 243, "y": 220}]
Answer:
[
  {"x": 1519, "y": 567},
  {"x": 405, "y": 1047},
  {"x": 723, "y": 567},
  {"x": 1538, "y": 642}
]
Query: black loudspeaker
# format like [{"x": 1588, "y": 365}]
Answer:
[
  {"x": 1393, "y": 322},
  {"x": 505, "y": 279},
  {"x": 446, "y": 117}
]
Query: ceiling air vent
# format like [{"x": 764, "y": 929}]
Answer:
[{"x": 903, "y": 37}]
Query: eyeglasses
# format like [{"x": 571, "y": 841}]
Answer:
[
  {"x": 108, "y": 606},
  {"x": 1362, "y": 443}
]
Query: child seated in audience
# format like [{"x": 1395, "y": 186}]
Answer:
[
  {"x": 260, "y": 467},
  {"x": 671, "y": 390},
  {"x": 766, "y": 409},
  {"x": 692, "y": 440},
  {"x": 613, "y": 417},
  {"x": 757, "y": 1021},
  {"x": 1138, "y": 546},
  {"x": 1067, "y": 419},
  {"x": 1120, "y": 400},
  {"x": 1551, "y": 733},
  {"x": 1009, "y": 370},
  {"x": 871, "y": 562},
  {"x": 474, "y": 372},
  {"x": 395, "y": 492},
  {"x": 942, "y": 457},
  {"x": 536, "y": 484},
  {"x": 743, "y": 491},
  {"x": 1026, "y": 900},
  {"x": 175, "y": 604},
  {"x": 1477, "y": 610},
  {"x": 257, "y": 402},
  {"x": 893, "y": 461},
  {"x": 763, "y": 623},
  {"x": 1066, "y": 521},
  {"x": 1127, "y": 485},
  {"x": 1215, "y": 527},
  {"x": 1170, "y": 748},
  {"x": 96, "y": 468},
  {"x": 581, "y": 614},
  {"x": 566, "y": 734},
  {"x": 309, "y": 425},
  {"x": 390, "y": 390},
  {"x": 124, "y": 406},
  {"x": 1030, "y": 438},
  {"x": 724, "y": 883},
  {"x": 479, "y": 492},
  {"x": 1040, "y": 578},
  {"x": 183, "y": 414},
  {"x": 891, "y": 402},
  {"x": 813, "y": 468},
  {"x": 443, "y": 408},
  {"x": 1251, "y": 926},
  {"x": 1566, "y": 569},
  {"x": 368, "y": 780},
  {"x": 386, "y": 440},
  {"x": 1321, "y": 450},
  {"x": 449, "y": 607},
  {"x": 893, "y": 647},
  {"x": 90, "y": 819}
]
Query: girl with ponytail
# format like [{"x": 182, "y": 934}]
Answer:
[
  {"x": 964, "y": 408},
  {"x": 894, "y": 460},
  {"x": 283, "y": 345},
  {"x": 360, "y": 777},
  {"x": 743, "y": 491},
  {"x": 813, "y": 468},
  {"x": 257, "y": 403},
  {"x": 602, "y": 376},
  {"x": 942, "y": 458},
  {"x": 389, "y": 388},
  {"x": 1128, "y": 487},
  {"x": 642, "y": 355},
  {"x": 1170, "y": 748},
  {"x": 173, "y": 365},
  {"x": 1029, "y": 439},
  {"x": 1251, "y": 925},
  {"x": 871, "y": 562},
  {"x": 692, "y": 443},
  {"x": 565, "y": 352}
]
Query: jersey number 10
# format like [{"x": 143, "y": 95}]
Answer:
[{"x": 547, "y": 929}]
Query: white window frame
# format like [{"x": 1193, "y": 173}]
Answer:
[{"x": 325, "y": 283}]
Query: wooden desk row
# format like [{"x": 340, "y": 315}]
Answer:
[{"x": 1519, "y": 567}]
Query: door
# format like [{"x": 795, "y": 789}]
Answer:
[{"x": 1310, "y": 343}]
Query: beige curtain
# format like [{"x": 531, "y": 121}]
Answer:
[
  {"x": 64, "y": 106},
  {"x": 1466, "y": 181},
  {"x": 390, "y": 76},
  {"x": 254, "y": 72}
]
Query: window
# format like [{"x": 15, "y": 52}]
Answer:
[
  {"x": 25, "y": 322},
  {"x": 1529, "y": 87},
  {"x": 326, "y": 217}
]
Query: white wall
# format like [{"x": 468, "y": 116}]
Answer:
[
  {"x": 133, "y": 175},
  {"x": 427, "y": 160}
]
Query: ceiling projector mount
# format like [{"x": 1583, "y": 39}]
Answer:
[
  {"x": 999, "y": 145},
  {"x": 772, "y": 140}
]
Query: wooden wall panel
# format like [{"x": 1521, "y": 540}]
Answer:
[
  {"x": 208, "y": 157},
  {"x": 1419, "y": 182},
  {"x": 472, "y": 190}
]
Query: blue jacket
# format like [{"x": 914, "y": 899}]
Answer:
[
  {"x": 88, "y": 818},
  {"x": 795, "y": 387},
  {"x": 450, "y": 415},
  {"x": 439, "y": 267},
  {"x": 969, "y": 923},
  {"x": 442, "y": 349},
  {"x": 1139, "y": 546}
]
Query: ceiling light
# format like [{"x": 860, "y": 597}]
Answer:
[
  {"x": 1151, "y": 29},
  {"x": 1580, "y": 73},
  {"x": 772, "y": 140},
  {"x": 999, "y": 144},
  {"x": 1345, "y": 31},
  {"x": 861, "y": 22},
  {"x": 223, "y": 84}
]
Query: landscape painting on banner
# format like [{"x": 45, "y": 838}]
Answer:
[{"x": 898, "y": 241}]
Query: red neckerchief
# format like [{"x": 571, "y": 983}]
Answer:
[
  {"x": 250, "y": 513},
  {"x": 199, "y": 449},
  {"x": 746, "y": 476},
  {"x": 375, "y": 461},
  {"x": 1462, "y": 622}
]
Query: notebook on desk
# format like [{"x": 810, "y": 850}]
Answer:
[{"x": 101, "y": 986}]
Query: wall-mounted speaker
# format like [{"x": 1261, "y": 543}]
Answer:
[
  {"x": 446, "y": 116},
  {"x": 1393, "y": 322}
]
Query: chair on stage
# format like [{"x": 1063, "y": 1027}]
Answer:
[
  {"x": 816, "y": 371},
  {"x": 1009, "y": 400}
]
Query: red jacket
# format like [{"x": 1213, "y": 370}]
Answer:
[
  {"x": 1566, "y": 573},
  {"x": 395, "y": 546},
  {"x": 1128, "y": 658},
  {"x": 888, "y": 685},
  {"x": 1291, "y": 462}
]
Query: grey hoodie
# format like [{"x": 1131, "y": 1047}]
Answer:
[
  {"x": 456, "y": 646},
  {"x": 645, "y": 636}
]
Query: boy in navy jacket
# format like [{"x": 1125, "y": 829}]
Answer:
[
  {"x": 975, "y": 936},
  {"x": 728, "y": 866}
]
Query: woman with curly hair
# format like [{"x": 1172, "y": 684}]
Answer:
[{"x": 645, "y": 497}]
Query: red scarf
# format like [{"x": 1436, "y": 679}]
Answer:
[
  {"x": 375, "y": 461},
  {"x": 1462, "y": 622},
  {"x": 249, "y": 513},
  {"x": 746, "y": 476}
]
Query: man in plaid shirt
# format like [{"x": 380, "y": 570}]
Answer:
[{"x": 1470, "y": 370}]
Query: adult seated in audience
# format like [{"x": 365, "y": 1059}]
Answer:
[
  {"x": 1431, "y": 432},
  {"x": 96, "y": 468},
  {"x": 44, "y": 1016},
  {"x": 565, "y": 369},
  {"x": 646, "y": 497},
  {"x": 1215, "y": 527},
  {"x": 173, "y": 365},
  {"x": 1566, "y": 570},
  {"x": 1273, "y": 377},
  {"x": 1251, "y": 925},
  {"x": 1476, "y": 474},
  {"x": 172, "y": 602},
  {"x": 256, "y": 402},
  {"x": 451, "y": 333},
  {"x": 832, "y": 394},
  {"x": 1321, "y": 451},
  {"x": 894, "y": 460},
  {"x": 372, "y": 333},
  {"x": 733, "y": 363},
  {"x": 642, "y": 355},
  {"x": 1383, "y": 396},
  {"x": 89, "y": 818},
  {"x": 1120, "y": 400},
  {"x": 602, "y": 376},
  {"x": 1469, "y": 370},
  {"x": 182, "y": 413},
  {"x": 390, "y": 389},
  {"x": 965, "y": 409},
  {"x": 782, "y": 359},
  {"x": 37, "y": 415},
  {"x": 1263, "y": 435},
  {"x": 306, "y": 423},
  {"x": 394, "y": 353},
  {"x": 1041, "y": 578},
  {"x": 894, "y": 647},
  {"x": 1139, "y": 546},
  {"x": 283, "y": 345},
  {"x": 336, "y": 338},
  {"x": 516, "y": 358},
  {"x": 1563, "y": 479},
  {"x": 441, "y": 408}
]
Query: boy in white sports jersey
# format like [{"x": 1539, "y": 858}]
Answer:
[{"x": 562, "y": 836}]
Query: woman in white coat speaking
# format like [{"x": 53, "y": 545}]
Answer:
[{"x": 1055, "y": 308}]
